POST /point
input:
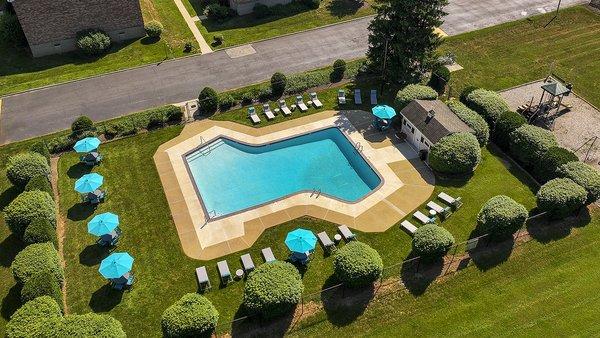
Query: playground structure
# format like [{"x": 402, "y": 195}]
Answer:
[{"x": 554, "y": 89}]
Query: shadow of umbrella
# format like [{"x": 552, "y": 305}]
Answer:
[{"x": 105, "y": 299}]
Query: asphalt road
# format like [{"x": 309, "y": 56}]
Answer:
[{"x": 46, "y": 110}]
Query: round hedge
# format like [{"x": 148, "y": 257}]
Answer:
[
  {"x": 528, "y": 143},
  {"x": 41, "y": 148},
  {"x": 31, "y": 319},
  {"x": 39, "y": 183},
  {"x": 414, "y": 92},
  {"x": 561, "y": 197},
  {"x": 86, "y": 325},
  {"x": 432, "y": 241},
  {"x": 81, "y": 125},
  {"x": 465, "y": 92},
  {"x": 357, "y": 264},
  {"x": 455, "y": 154},
  {"x": 208, "y": 101},
  {"x": 339, "y": 69},
  {"x": 584, "y": 175},
  {"x": 508, "y": 122},
  {"x": 501, "y": 216},
  {"x": 546, "y": 167},
  {"x": 153, "y": 29},
  {"x": 24, "y": 166},
  {"x": 278, "y": 83},
  {"x": 93, "y": 42},
  {"x": 41, "y": 284},
  {"x": 191, "y": 316},
  {"x": 471, "y": 119},
  {"x": 37, "y": 258},
  {"x": 40, "y": 231},
  {"x": 273, "y": 289},
  {"x": 487, "y": 103},
  {"x": 26, "y": 207}
]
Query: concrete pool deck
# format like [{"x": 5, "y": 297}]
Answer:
[{"x": 407, "y": 183}]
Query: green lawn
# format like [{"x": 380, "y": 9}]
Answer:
[
  {"x": 514, "y": 53},
  {"x": 249, "y": 28},
  {"x": 19, "y": 71}
]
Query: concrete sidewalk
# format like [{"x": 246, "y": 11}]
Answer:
[{"x": 53, "y": 108}]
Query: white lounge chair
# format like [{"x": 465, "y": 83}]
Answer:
[
  {"x": 341, "y": 96},
  {"x": 357, "y": 96},
  {"x": 424, "y": 219},
  {"x": 408, "y": 227},
  {"x": 284, "y": 108},
  {"x": 443, "y": 212},
  {"x": 373, "y": 96},
  {"x": 315, "y": 100},
  {"x": 268, "y": 255},
  {"x": 223, "y": 268},
  {"x": 247, "y": 262},
  {"x": 253, "y": 116},
  {"x": 268, "y": 112},
  {"x": 346, "y": 233},
  {"x": 202, "y": 277},
  {"x": 301, "y": 104},
  {"x": 453, "y": 202},
  {"x": 325, "y": 241}
]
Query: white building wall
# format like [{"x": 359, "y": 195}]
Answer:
[{"x": 414, "y": 136}]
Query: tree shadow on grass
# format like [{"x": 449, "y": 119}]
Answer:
[
  {"x": 342, "y": 8},
  {"x": 342, "y": 304},
  {"x": 486, "y": 256},
  {"x": 78, "y": 170},
  {"x": 149, "y": 40},
  {"x": 80, "y": 211},
  {"x": 105, "y": 298},
  {"x": 417, "y": 276},
  {"x": 11, "y": 302},
  {"x": 545, "y": 230},
  {"x": 93, "y": 254},
  {"x": 255, "y": 326},
  {"x": 9, "y": 248}
]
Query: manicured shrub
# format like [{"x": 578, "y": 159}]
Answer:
[
  {"x": 414, "y": 92},
  {"x": 26, "y": 207},
  {"x": 278, "y": 83},
  {"x": 208, "y": 101},
  {"x": 188, "y": 47},
  {"x": 37, "y": 258},
  {"x": 40, "y": 231},
  {"x": 226, "y": 102},
  {"x": 86, "y": 325},
  {"x": 153, "y": 29},
  {"x": 219, "y": 13},
  {"x": 82, "y": 124},
  {"x": 584, "y": 175},
  {"x": 312, "y": 4},
  {"x": 41, "y": 148},
  {"x": 357, "y": 264},
  {"x": 265, "y": 94},
  {"x": 432, "y": 241},
  {"x": 546, "y": 167},
  {"x": 273, "y": 289},
  {"x": 508, "y": 122},
  {"x": 32, "y": 318},
  {"x": 528, "y": 143},
  {"x": 24, "y": 166},
  {"x": 173, "y": 114},
  {"x": 41, "y": 284},
  {"x": 455, "y": 154},
  {"x": 261, "y": 11},
  {"x": 218, "y": 39},
  {"x": 339, "y": 68},
  {"x": 501, "y": 216},
  {"x": 93, "y": 42},
  {"x": 191, "y": 316},
  {"x": 472, "y": 119},
  {"x": 121, "y": 128},
  {"x": 465, "y": 92},
  {"x": 61, "y": 143},
  {"x": 39, "y": 183},
  {"x": 488, "y": 104},
  {"x": 247, "y": 98},
  {"x": 440, "y": 76},
  {"x": 561, "y": 197}
]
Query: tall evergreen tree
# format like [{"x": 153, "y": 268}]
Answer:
[{"x": 407, "y": 28}]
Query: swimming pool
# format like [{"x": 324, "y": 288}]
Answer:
[{"x": 231, "y": 176}]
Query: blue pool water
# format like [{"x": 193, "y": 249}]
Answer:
[{"x": 231, "y": 176}]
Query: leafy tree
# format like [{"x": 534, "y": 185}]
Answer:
[
  {"x": 191, "y": 316},
  {"x": 357, "y": 264},
  {"x": 278, "y": 83},
  {"x": 208, "y": 101},
  {"x": 406, "y": 27}
]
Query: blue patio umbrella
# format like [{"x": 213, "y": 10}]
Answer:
[
  {"x": 86, "y": 145},
  {"x": 116, "y": 265},
  {"x": 88, "y": 183},
  {"x": 384, "y": 112},
  {"x": 300, "y": 240},
  {"x": 103, "y": 224}
]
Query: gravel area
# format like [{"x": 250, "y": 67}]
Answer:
[{"x": 572, "y": 127}]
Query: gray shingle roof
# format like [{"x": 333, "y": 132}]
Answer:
[{"x": 444, "y": 122}]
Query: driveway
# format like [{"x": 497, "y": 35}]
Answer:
[{"x": 53, "y": 108}]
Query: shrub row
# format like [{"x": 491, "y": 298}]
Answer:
[
  {"x": 26, "y": 207},
  {"x": 529, "y": 143},
  {"x": 455, "y": 154},
  {"x": 414, "y": 92},
  {"x": 501, "y": 216},
  {"x": 472, "y": 119},
  {"x": 584, "y": 175},
  {"x": 560, "y": 197},
  {"x": 34, "y": 259},
  {"x": 508, "y": 122},
  {"x": 24, "y": 166},
  {"x": 487, "y": 103}
]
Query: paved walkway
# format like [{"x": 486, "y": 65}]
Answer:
[
  {"x": 191, "y": 22},
  {"x": 53, "y": 108}
]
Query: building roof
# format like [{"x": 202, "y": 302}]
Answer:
[{"x": 443, "y": 122}]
